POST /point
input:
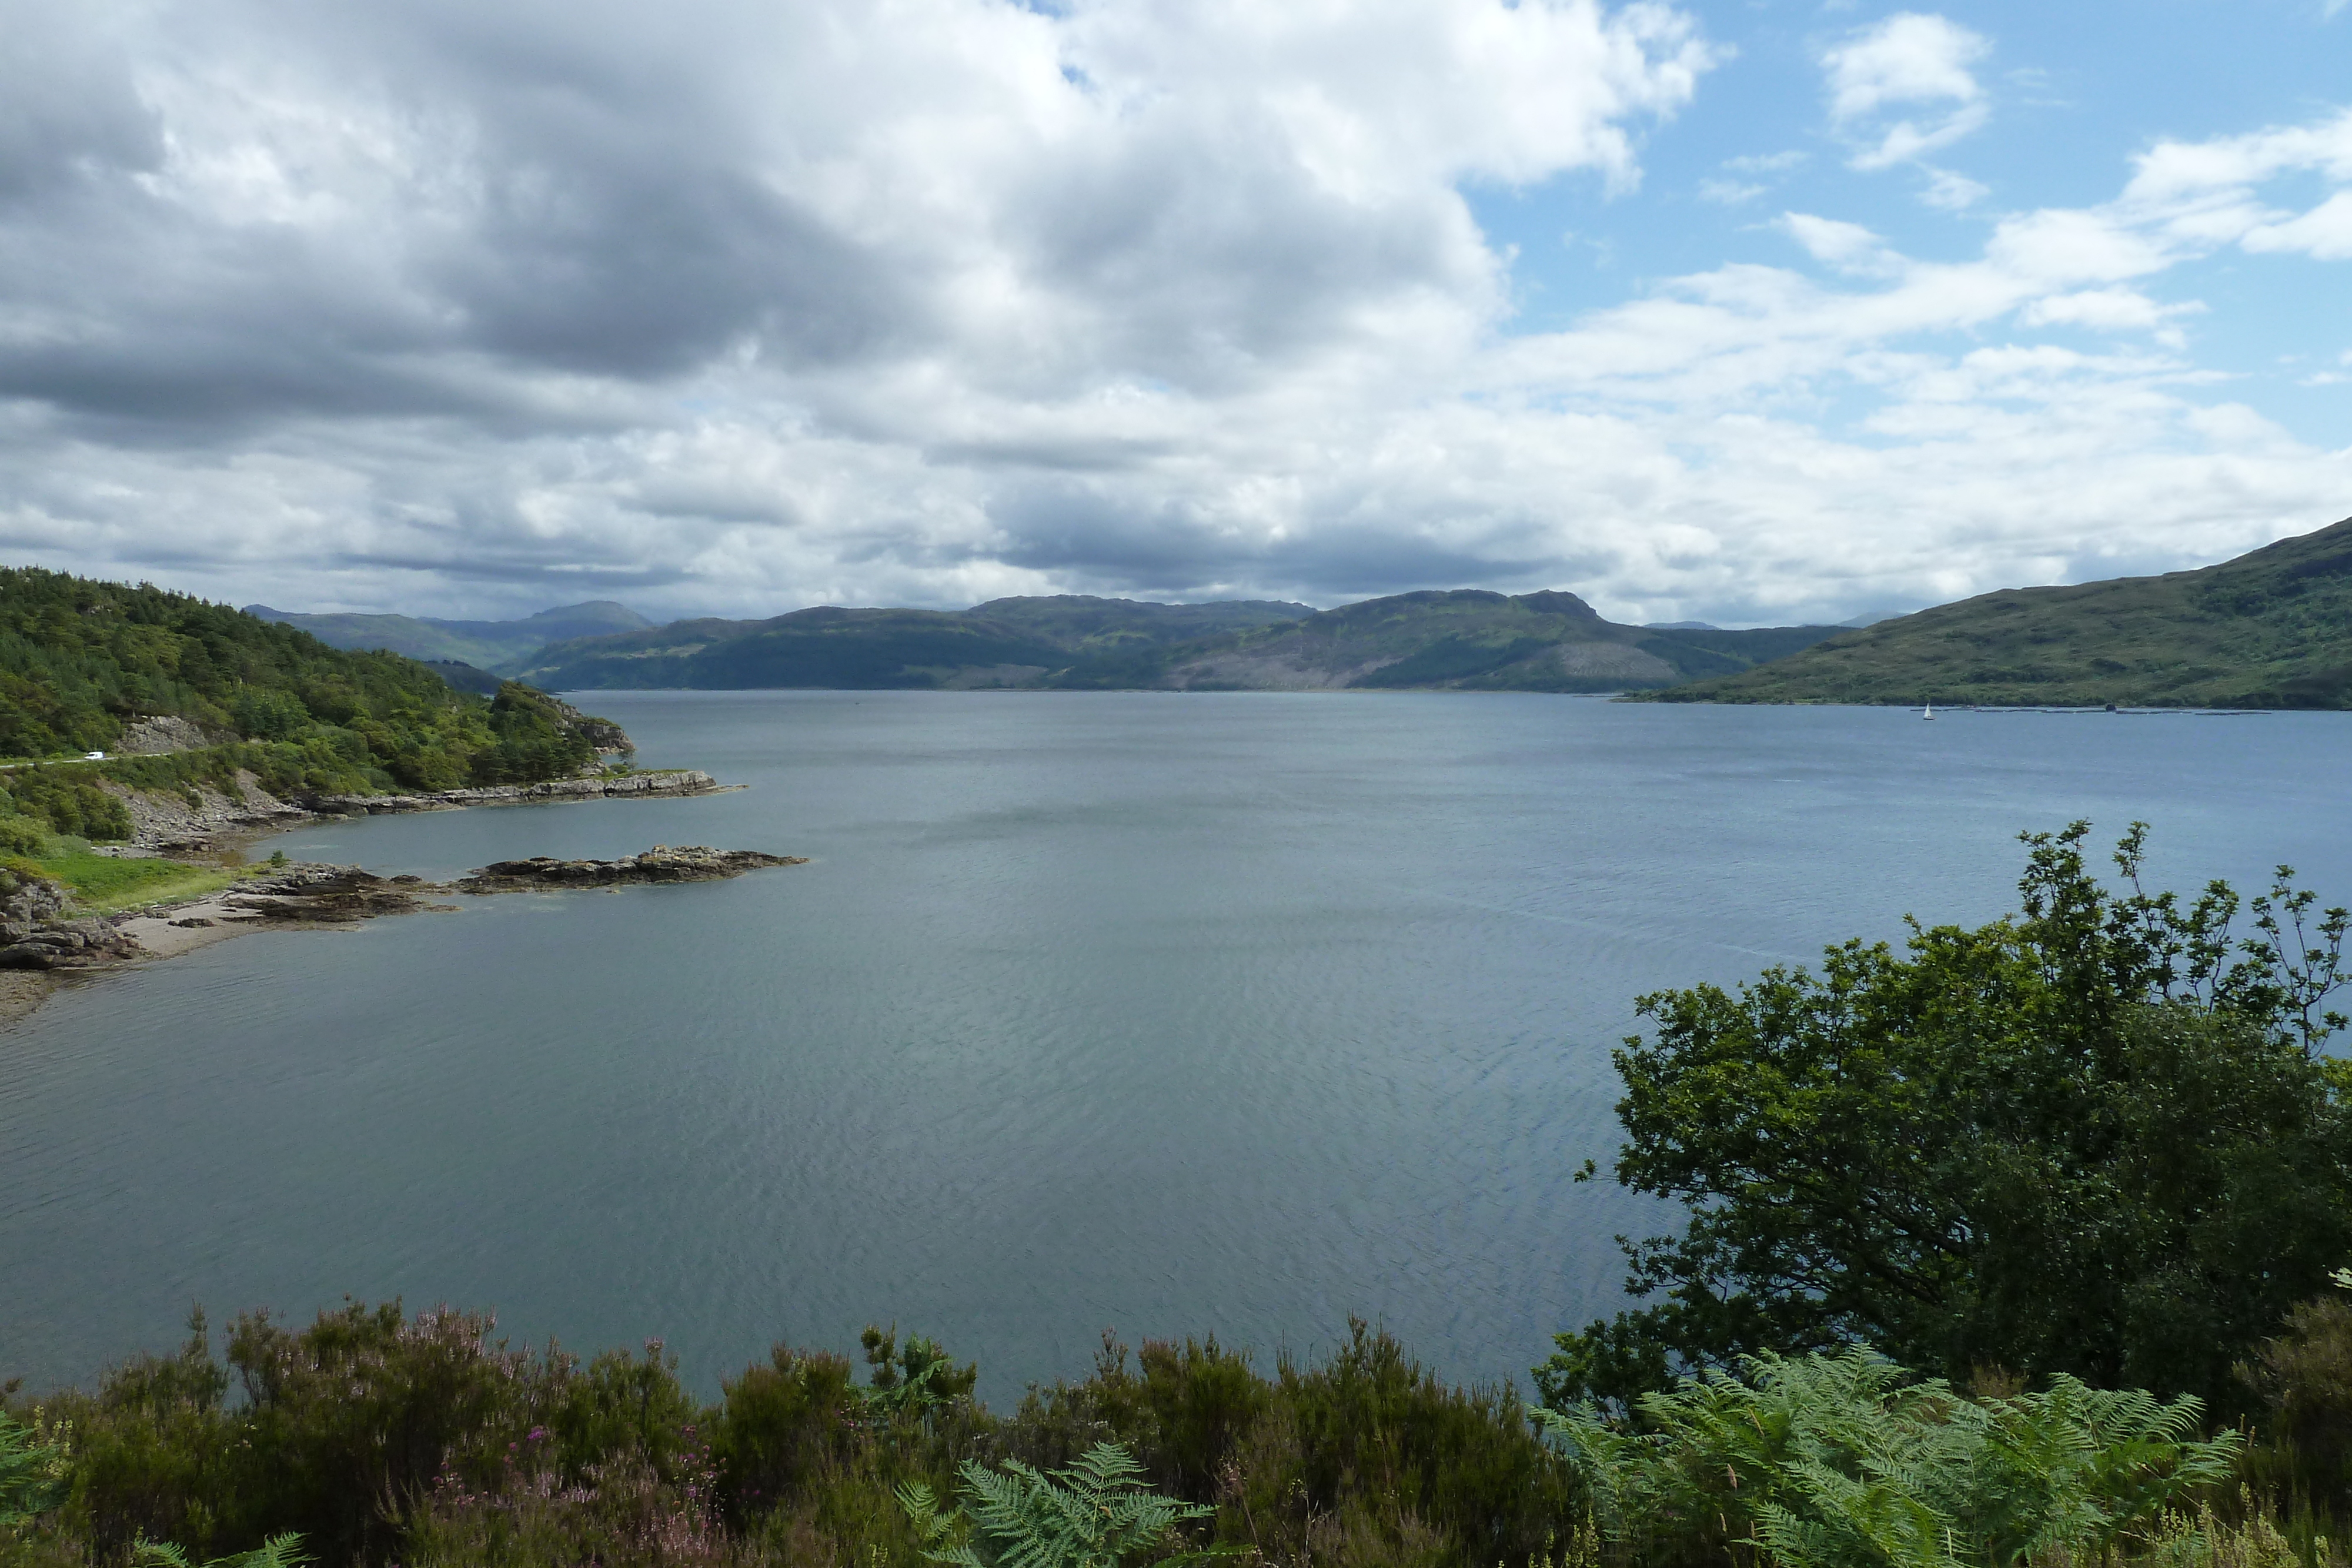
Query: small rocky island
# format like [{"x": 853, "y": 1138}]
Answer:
[{"x": 690, "y": 863}]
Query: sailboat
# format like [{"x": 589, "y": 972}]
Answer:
[{"x": 1929, "y": 710}]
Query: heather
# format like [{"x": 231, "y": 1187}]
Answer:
[
  {"x": 384, "y": 1436},
  {"x": 375, "y": 1436}
]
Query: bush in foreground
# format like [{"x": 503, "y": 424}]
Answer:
[{"x": 380, "y": 1436}]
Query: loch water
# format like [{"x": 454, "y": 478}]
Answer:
[{"x": 1171, "y": 1014}]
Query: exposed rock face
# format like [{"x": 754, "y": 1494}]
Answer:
[
  {"x": 161, "y": 735},
  {"x": 692, "y": 862},
  {"x": 32, "y": 937},
  {"x": 164, "y": 819}
]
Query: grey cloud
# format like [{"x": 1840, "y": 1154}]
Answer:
[
  {"x": 67, "y": 107},
  {"x": 741, "y": 303},
  {"x": 1207, "y": 272}
]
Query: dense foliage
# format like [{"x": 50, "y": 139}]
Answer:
[
  {"x": 1849, "y": 1461},
  {"x": 378, "y": 1436},
  {"x": 2097, "y": 1137},
  {"x": 81, "y": 661}
]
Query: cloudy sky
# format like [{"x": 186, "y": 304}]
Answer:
[{"x": 1751, "y": 313}]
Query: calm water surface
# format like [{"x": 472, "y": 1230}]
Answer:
[{"x": 1171, "y": 1014}]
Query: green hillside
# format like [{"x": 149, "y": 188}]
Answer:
[
  {"x": 1465, "y": 639},
  {"x": 1080, "y": 623},
  {"x": 2271, "y": 629},
  {"x": 83, "y": 665},
  {"x": 486, "y": 644},
  {"x": 1469, "y": 640}
]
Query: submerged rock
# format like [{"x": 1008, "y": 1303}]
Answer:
[{"x": 690, "y": 863}]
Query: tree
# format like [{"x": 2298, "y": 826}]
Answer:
[{"x": 2095, "y": 1137}]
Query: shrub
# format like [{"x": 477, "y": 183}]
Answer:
[
  {"x": 1848, "y": 1461},
  {"x": 782, "y": 1425}
]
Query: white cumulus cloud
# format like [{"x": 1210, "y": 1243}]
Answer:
[
  {"x": 736, "y": 307},
  {"x": 1910, "y": 61}
]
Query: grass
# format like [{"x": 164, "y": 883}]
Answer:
[{"x": 101, "y": 885}]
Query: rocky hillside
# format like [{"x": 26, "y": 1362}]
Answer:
[{"x": 2271, "y": 629}]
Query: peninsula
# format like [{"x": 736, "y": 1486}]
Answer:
[{"x": 151, "y": 736}]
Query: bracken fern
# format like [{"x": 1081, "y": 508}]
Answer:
[{"x": 1094, "y": 1515}]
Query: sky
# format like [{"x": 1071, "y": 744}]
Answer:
[{"x": 1748, "y": 313}]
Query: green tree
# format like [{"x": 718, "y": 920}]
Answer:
[{"x": 2095, "y": 1137}]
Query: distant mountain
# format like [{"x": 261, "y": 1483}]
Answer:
[
  {"x": 1465, "y": 640},
  {"x": 1470, "y": 639},
  {"x": 2270, "y": 629},
  {"x": 854, "y": 650},
  {"x": 1082, "y": 624},
  {"x": 487, "y": 644}
]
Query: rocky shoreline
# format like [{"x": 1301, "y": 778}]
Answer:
[
  {"x": 43, "y": 944},
  {"x": 210, "y": 820},
  {"x": 43, "y": 949}
]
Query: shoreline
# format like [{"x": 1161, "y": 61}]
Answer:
[{"x": 222, "y": 829}]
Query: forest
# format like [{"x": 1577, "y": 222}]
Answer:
[{"x": 84, "y": 663}]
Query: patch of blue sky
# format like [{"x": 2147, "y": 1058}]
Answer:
[{"x": 2058, "y": 101}]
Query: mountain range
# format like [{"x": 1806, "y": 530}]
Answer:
[
  {"x": 1457, "y": 640},
  {"x": 1461, "y": 639},
  {"x": 2270, "y": 629}
]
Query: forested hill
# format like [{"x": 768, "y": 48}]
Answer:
[
  {"x": 1459, "y": 640},
  {"x": 2270, "y": 629},
  {"x": 86, "y": 665}
]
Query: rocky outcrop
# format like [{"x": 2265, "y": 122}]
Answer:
[
  {"x": 329, "y": 894},
  {"x": 596, "y": 786},
  {"x": 692, "y": 863},
  {"x": 161, "y": 735},
  {"x": 32, "y": 937},
  {"x": 202, "y": 817}
]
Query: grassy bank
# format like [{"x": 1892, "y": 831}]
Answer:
[{"x": 104, "y": 884}]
